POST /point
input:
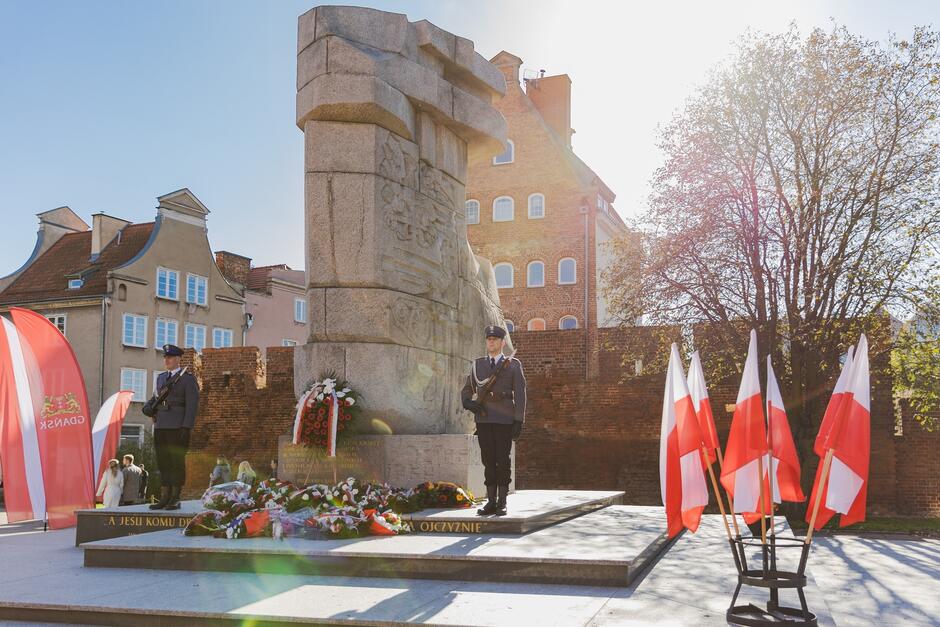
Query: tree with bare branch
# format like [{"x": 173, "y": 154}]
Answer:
[{"x": 798, "y": 196}]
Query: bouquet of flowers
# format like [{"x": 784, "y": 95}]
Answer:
[
  {"x": 349, "y": 509},
  {"x": 323, "y": 412},
  {"x": 432, "y": 494}
]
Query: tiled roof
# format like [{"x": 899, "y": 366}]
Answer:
[
  {"x": 258, "y": 277},
  {"x": 46, "y": 278}
]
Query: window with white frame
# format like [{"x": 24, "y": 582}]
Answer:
[
  {"x": 135, "y": 330},
  {"x": 510, "y": 326},
  {"x": 168, "y": 284},
  {"x": 135, "y": 380},
  {"x": 300, "y": 310},
  {"x": 473, "y": 212},
  {"x": 503, "y": 209},
  {"x": 58, "y": 320},
  {"x": 503, "y": 272},
  {"x": 74, "y": 284},
  {"x": 196, "y": 289},
  {"x": 537, "y": 206},
  {"x": 535, "y": 274},
  {"x": 288, "y": 342},
  {"x": 222, "y": 338},
  {"x": 507, "y": 156},
  {"x": 567, "y": 271},
  {"x": 536, "y": 324},
  {"x": 165, "y": 331},
  {"x": 132, "y": 435},
  {"x": 195, "y": 337},
  {"x": 602, "y": 204},
  {"x": 568, "y": 322}
]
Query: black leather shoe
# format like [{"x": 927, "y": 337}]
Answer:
[
  {"x": 174, "y": 498},
  {"x": 490, "y": 508},
  {"x": 164, "y": 498}
]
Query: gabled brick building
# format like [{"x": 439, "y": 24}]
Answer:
[{"x": 539, "y": 213}]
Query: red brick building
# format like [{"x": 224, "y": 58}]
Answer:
[{"x": 539, "y": 213}]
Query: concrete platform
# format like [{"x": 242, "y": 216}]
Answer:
[
  {"x": 528, "y": 510},
  {"x": 608, "y": 547},
  {"x": 690, "y": 584}
]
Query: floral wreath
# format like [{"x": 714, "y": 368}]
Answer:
[{"x": 323, "y": 412}]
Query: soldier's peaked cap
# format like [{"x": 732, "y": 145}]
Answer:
[
  {"x": 172, "y": 351},
  {"x": 495, "y": 331}
]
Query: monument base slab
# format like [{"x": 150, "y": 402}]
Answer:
[{"x": 402, "y": 461}]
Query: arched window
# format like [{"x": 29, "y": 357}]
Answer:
[
  {"x": 122, "y": 292},
  {"x": 568, "y": 322},
  {"x": 507, "y": 156},
  {"x": 536, "y": 205},
  {"x": 473, "y": 212},
  {"x": 510, "y": 326},
  {"x": 535, "y": 274},
  {"x": 503, "y": 209},
  {"x": 503, "y": 272},
  {"x": 567, "y": 271},
  {"x": 536, "y": 324}
]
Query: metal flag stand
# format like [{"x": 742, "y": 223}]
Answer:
[{"x": 771, "y": 577}]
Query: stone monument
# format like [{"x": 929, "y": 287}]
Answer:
[{"x": 397, "y": 300}]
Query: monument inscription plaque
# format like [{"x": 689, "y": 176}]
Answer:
[{"x": 362, "y": 458}]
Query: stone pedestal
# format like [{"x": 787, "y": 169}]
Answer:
[
  {"x": 397, "y": 300},
  {"x": 400, "y": 460}
]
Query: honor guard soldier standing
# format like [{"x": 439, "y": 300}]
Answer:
[
  {"x": 173, "y": 409},
  {"x": 495, "y": 392}
]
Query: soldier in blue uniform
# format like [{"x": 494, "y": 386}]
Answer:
[
  {"x": 173, "y": 421},
  {"x": 499, "y": 413}
]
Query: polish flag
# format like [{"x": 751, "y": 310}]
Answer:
[
  {"x": 23, "y": 489},
  {"x": 834, "y": 406},
  {"x": 681, "y": 478},
  {"x": 784, "y": 463},
  {"x": 747, "y": 441},
  {"x": 703, "y": 408},
  {"x": 106, "y": 431},
  {"x": 849, "y": 439}
]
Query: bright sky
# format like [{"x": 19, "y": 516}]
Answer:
[{"x": 106, "y": 105}]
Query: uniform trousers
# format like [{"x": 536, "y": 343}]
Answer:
[
  {"x": 171, "y": 446},
  {"x": 495, "y": 445}
]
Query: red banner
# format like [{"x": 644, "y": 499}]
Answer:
[
  {"x": 63, "y": 426},
  {"x": 23, "y": 492}
]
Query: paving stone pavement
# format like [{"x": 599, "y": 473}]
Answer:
[{"x": 861, "y": 581}]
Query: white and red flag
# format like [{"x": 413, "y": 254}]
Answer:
[
  {"x": 681, "y": 477},
  {"x": 60, "y": 409},
  {"x": 848, "y": 436},
  {"x": 106, "y": 431},
  {"x": 747, "y": 440},
  {"x": 703, "y": 407},
  {"x": 784, "y": 463}
]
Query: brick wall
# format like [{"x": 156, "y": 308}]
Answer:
[
  {"x": 918, "y": 468},
  {"x": 597, "y": 433},
  {"x": 245, "y": 404}
]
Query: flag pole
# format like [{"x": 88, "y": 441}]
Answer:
[
  {"x": 721, "y": 505},
  {"x": 819, "y": 490},
  {"x": 770, "y": 447},
  {"x": 734, "y": 519},
  {"x": 760, "y": 507}
]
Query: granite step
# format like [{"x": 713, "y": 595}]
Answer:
[{"x": 607, "y": 547}]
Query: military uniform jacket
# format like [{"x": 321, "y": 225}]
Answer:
[
  {"x": 181, "y": 405},
  {"x": 506, "y": 401}
]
